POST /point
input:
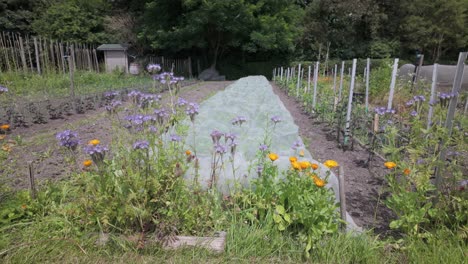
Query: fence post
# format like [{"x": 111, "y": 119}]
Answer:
[
  {"x": 334, "y": 87},
  {"x": 316, "y": 70},
  {"x": 23, "y": 55},
  {"x": 298, "y": 80},
  {"x": 32, "y": 181},
  {"x": 308, "y": 80},
  {"x": 36, "y": 50},
  {"x": 367, "y": 84},
  {"x": 350, "y": 102},
  {"x": 341, "y": 80},
  {"x": 281, "y": 76},
  {"x": 433, "y": 95},
  {"x": 451, "y": 113},
  {"x": 341, "y": 186},
  {"x": 392, "y": 84}
]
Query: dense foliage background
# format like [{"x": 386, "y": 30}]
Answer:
[{"x": 237, "y": 33}]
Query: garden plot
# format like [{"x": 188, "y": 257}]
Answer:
[{"x": 237, "y": 124}]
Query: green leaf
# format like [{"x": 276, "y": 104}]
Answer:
[{"x": 280, "y": 210}]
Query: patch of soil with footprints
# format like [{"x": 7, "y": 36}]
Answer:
[
  {"x": 364, "y": 189},
  {"x": 364, "y": 186}
]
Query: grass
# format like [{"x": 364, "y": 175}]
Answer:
[
  {"x": 34, "y": 86},
  {"x": 53, "y": 240}
]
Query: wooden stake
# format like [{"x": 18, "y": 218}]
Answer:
[
  {"x": 376, "y": 123},
  {"x": 298, "y": 80},
  {"x": 341, "y": 80},
  {"x": 32, "y": 181},
  {"x": 308, "y": 79},
  {"x": 341, "y": 184},
  {"x": 36, "y": 50}
]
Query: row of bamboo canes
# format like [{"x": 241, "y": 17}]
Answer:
[{"x": 37, "y": 54}]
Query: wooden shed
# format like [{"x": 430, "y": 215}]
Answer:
[{"x": 115, "y": 56}]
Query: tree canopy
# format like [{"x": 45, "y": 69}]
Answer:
[{"x": 303, "y": 29}]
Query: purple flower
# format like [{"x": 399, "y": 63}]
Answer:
[
  {"x": 161, "y": 114},
  {"x": 239, "y": 120},
  {"x": 259, "y": 169},
  {"x": 297, "y": 144},
  {"x": 390, "y": 111},
  {"x": 275, "y": 119},
  {"x": 414, "y": 113},
  {"x": 263, "y": 147},
  {"x": 410, "y": 102},
  {"x": 380, "y": 110},
  {"x": 134, "y": 94},
  {"x": 3, "y": 89},
  {"x": 111, "y": 94},
  {"x": 68, "y": 139},
  {"x": 175, "y": 138},
  {"x": 216, "y": 136},
  {"x": 230, "y": 136},
  {"x": 220, "y": 149},
  {"x": 112, "y": 107},
  {"x": 192, "y": 110},
  {"x": 97, "y": 152},
  {"x": 153, "y": 129},
  {"x": 181, "y": 101},
  {"x": 233, "y": 145},
  {"x": 419, "y": 98},
  {"x": 141, "y": 144},
  {"x": 153, "y": 67}
]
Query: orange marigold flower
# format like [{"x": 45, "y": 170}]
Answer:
[
  {"x": 273, "y": 156},
  {"x": 314, "y": 166},
  {"x": 188, "y": 152},
  {"x": 390, "y": 164},
  {"x": 304, "y": 164},
  {"x": 23, "y": 206},
  {"x": 87, "y": 163},
  {"x": 292, "y": 159},
  {"x": 330, "y": 164},
  {"x": 94, "y": 142},
  {"x": 5, "y": 127},
  {"x": 313, "y": 176},
  {"x": 295, "y": 165},
  {"x": 319, "y": 182},
  {"x": 407, "y": 171},
  {"x": 301, "y": 153}
]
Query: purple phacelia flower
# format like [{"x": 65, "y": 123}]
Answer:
[
  {"x": 175, "y": 138},
  {"x": 3, "y": 89},
  {"x": 181, "y": 101},
  {"x": 220, "y": 149},
  {"x": 112, "y": 107},
  {"x": 192, "y": 110},
  {"x": 111, "y": 94},
  {"x": 97, "y": 152},
  {"x": 263, "y": 147},
  {"x": 141, "y": 144},
  {"x": 216, "y": 136},
  {"x": 152, "y": 67},
  {"x": 410, "y": 102},
  {"x": 414, "y": 113},
  {"x": 68, "y": 139},
  {"x": 153, "y": 129},
  {"x": 297, "y": 144},
  {"x": 230, "y": 136},
  {"x": 275, "y": 119},
  {"x": 259, "y": 170},
  {"x": 239, "y": 120}
]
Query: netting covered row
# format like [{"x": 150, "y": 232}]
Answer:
[{"x": 248, "y": 111}]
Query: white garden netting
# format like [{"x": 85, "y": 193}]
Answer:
[{"x": 251, "y": 98}]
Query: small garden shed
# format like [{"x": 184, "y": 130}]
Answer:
[{"x": 115, "y": 56}]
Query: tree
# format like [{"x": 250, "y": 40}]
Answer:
[
  {"x": 17, "y": 15},
  {"x": 75, "y": 21},
  {"x": 215, "y": 26},
  {"x": 436, "y": 26}
]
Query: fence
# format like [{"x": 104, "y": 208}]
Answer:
[
  {"x": 37, "y": 54},
  {"x": 355, "y": 121},
  {"x": 181, "y": 67}
]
